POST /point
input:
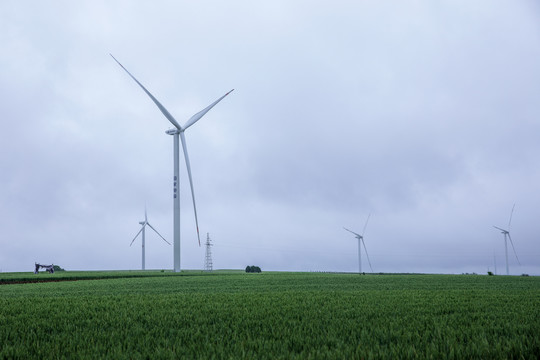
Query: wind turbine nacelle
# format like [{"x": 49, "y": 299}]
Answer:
[{"x": 172, "y": 131}]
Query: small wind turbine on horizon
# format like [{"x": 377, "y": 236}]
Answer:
[
  {"x": 360, "y": 243},
  {"x": 178, "y": 132},
  {"x": 506, "y": 234},
  {"x": 144, "y": 224}
]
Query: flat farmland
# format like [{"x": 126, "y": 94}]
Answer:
[{"x": 225, "y": 315}]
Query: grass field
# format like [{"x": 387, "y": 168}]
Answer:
[{"x": 231, "y": 314}]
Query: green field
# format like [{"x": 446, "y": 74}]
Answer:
[{"x": 231, "y": 314}]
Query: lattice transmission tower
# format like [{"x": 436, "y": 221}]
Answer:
[{"x": 208, "y": 257}]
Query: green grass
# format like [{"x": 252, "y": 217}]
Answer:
[
  {"x": 43, "y": 276},
  {"x": 271, "y": 316}
]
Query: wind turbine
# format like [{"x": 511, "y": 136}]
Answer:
[
  {"x": 360, "y": 242},
  {"x": 507, "y": 237},
  {"x": 178, "y": 132},
  {"x": 144, "y": 223}
]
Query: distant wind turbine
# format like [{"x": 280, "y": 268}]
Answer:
[
  {"x": 506, "y": 234},
  {"x": 144, "y": 224},
  {"x": 178, "y": 132},
  {"x": 360, "y": 243}
]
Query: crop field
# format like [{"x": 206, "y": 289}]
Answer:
[{"x": 226, "y": 315}]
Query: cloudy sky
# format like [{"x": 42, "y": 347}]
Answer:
[{"x": 425, "y": 114}]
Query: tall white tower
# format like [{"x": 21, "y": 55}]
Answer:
[{"x": 208, "y": 257}]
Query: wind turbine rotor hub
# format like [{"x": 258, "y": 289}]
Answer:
[{"x": 172, "y": 131}]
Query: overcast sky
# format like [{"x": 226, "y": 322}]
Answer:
[{"x": 425, "y": 114}]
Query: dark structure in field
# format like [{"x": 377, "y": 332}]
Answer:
[{"x": 48, "y": 268}]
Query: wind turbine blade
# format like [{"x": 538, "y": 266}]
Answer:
[
  {"x": 352, "y": 232},
  {"x": 511, "y": 213},
  {"x": 183, "y": 138},
  {"x": 145, "y": 215},
  {"x": 137, "y": 235},
  {"x": 369, "y": 262},
  {"x": 151, "y": 227},
  {"x": 158, "y": 104},
  {"x": 365, "y": 226},
  {"x": 192, "y": 120},
  {"x": 499, "y": 228},
  {"x": 513, "y": 248}
]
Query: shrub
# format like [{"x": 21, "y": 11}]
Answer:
[{"x": 253, "y": 269}]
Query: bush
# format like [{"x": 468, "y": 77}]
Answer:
[
  {"x": 490, "y": 273},
  {"x": 253, "y": 269},
  {"x": 57, "y": 268}
]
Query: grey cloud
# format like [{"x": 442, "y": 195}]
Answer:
[{"x": 424, "y": 114}]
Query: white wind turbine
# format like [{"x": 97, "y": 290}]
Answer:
[
  {"x": 360, "y": 242},
  {"x": 176, "y": 133},
  {"x": 507, "y": 237},
  {"x": 144, "y": 224}
]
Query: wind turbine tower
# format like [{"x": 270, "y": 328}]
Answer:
[
  {"x": 208, "y": 256},
  {"x": 143, "y": 231},
  {"x": 360, "y": 243},
  {"x": 506, "y": 234},
  {"x": 178, "y": 133}
]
